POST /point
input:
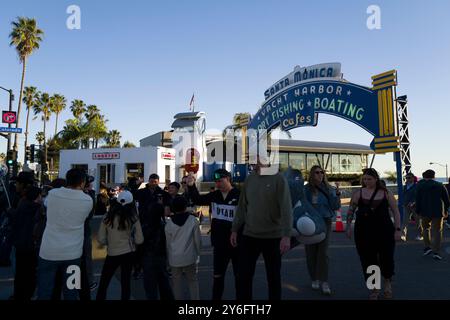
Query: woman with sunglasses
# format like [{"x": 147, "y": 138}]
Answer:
[
  {"x": 375, "y": 234},
  {"x": 326, "y": 200}
]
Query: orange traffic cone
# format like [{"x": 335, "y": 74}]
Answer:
[{"x": 339, "y": 226}]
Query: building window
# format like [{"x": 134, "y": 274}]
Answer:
[
  {"x": 297, "y": 161},
  {"x": 283, "y": 160},
  {"x": 134, "y": 170},
  {"x": 327, "y": 162},
  {"x": 107, "y": 173},
  {"x": 335, "y": 163},
  {"x": 313, "y": 159}
]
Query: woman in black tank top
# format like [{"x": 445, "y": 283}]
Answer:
[{"x": 375, "y": 233}]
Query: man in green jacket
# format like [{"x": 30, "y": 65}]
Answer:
[
  {"x": 432, "y": 203},
  {"x": 265, "y": 214}
]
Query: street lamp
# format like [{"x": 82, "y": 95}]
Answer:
[
  {"x": 444, "y": 166},
  {"x": 11, "y": 99}
]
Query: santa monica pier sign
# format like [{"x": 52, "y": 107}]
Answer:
[{"x": 297, "y": 99}]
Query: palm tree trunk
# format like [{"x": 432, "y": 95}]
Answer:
[
  {"x": 45, "y": 144},
  {"x": 26, "y": 135},
  {"x": 56, "y": 125},
  {"x": 16, "y": 136}
]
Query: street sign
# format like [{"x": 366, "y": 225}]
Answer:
[
  {"x": 10, "y": 130},
  {"x": 9, "y": 117}
]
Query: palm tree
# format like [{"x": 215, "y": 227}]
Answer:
[
  {"x": 40, "y": 137},
  {"x": 25, "y": 36},
  {"x": 128, "y": 144},
  {"x": 59, "y": 104},
  {"x": 113, "y": 139},
  {"x": 30, "y": 98},
  {"x": 92, "y": 111},
  {"x": 44, "y": 107},
  {"x": 78, "y": 108}
]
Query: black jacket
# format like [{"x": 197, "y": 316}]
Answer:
[
  {"x": 24, "y": 219},
  {"x": 222, "y": 213},
  {"x": 146, "y": 198},
  {"x": 432, "y": 199},
  {"x": 153, "y": 223}
]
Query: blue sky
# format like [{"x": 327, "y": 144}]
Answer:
[{"x": 140, "y": 61}]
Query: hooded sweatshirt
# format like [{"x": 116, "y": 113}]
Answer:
[{"x": 183, "y": 240}]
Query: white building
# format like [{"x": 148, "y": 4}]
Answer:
[{"x": 114, "y": 166}]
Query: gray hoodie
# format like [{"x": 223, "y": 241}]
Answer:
[{"x": 183, "y": 241}]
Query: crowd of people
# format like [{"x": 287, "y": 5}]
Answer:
[{"x": 153, "y": 234}]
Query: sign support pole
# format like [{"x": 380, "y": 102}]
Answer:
[{"x": 398, "y": 161}]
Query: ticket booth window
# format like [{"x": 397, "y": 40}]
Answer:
[
  {"x": 107, "y": 173},
  {"x": 134, "y": 170}
]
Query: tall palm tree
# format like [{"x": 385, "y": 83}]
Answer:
[
  {"x": 58, "y": 105},
  {"x": 78, "y": 108},
  {"x": 25, "y": 36},
  {"x": 92, "y": 111},
  {"x": 30, "y": 98},
  {"x": 44, "y": 108},
  {"x": 113, "y": 139}
]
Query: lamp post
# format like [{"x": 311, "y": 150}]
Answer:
[
  {"x": 444, "y": 166},
  {"x": 11, "y": 99}
]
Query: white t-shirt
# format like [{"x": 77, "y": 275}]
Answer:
[{"x": 67, "y": 210}]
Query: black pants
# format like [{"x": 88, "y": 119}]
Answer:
[
  {"x": 222, "y": 257},
  {"x": 249, "y": 250},
  {"x": 375, "y": 246},
  {"x": 156, "y": 278},
  {"x": 25, "y": 274},
  {"x": 125, "y": 262},
  {"x": 85, "y": 291}
]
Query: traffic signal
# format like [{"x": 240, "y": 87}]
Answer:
[
  {"x": 32, "y": 152},
  {"x": 27, "y": 153},
  {"x": 11, "y": 162}
]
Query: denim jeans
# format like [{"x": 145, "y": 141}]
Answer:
[{"x": 47, "y": 271}]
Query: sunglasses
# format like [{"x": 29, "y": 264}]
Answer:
[
  {"x": 319, "y": 172},
  {"x": 183, "y": 183}
]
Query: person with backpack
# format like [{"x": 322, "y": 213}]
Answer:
[
  {"x": 183, "y": 248},
  {"x": 156, "y": 276},
  {"x": 121, "y": 231},
  {"x": 25, "y": 218},
  {"x": 326, "y": 200}
]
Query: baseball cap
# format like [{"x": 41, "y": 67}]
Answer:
[
  {"x": 221, "y": 173},
  {"x": 125, "y": 197}
]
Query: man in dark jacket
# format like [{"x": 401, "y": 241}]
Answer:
[
  {"x": 432, "y": 203},
  {"x": 409, "y": 194},
  {"x": 145, "y": 199},
  {"x": 223, "y": 203},
  {"x": 24, "y": 220},
  {"x": 156, "y": 277}
]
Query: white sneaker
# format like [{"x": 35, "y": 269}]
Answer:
[
  {"x": 326, "y": 289},
  {"x": 315, "y": 285},
  {"x": 419, "y": 238},
  {"x": 403, "y": 238}
]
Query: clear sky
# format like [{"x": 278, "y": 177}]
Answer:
[{"x": 140, "y": 61}]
